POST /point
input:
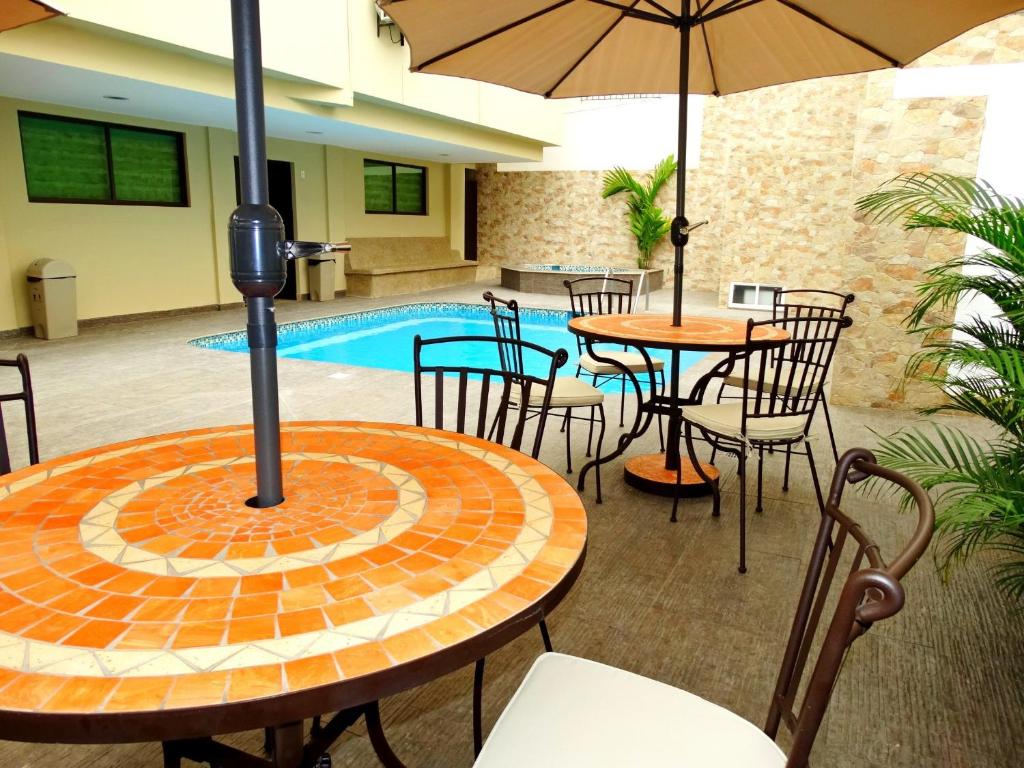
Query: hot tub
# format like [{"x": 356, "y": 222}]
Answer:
[{"x": 549, "y": 278}]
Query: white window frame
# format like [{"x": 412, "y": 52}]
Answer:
[{"x": 760, "y": 290}]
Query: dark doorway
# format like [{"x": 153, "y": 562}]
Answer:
[
  {"x": 469, "y": 251},
  {"x": 282, "y": 198}
]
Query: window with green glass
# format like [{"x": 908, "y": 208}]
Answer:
[
  {"x": 394, "y": 188},
  {"x": 83, "y": 161}
]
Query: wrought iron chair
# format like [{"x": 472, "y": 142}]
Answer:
[
  {"x": 776, "y": 408},
  {"x": 796, "y": 303},
  {"x": 499, "y": 391},
  {"x": 569, "y": 392},
  {"x": 575, "y": 712},
  {"x": 610, "y": 296},
  {"x": 24, "y": 395}
]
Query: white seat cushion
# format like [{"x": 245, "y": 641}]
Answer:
[
  {"x": 575, "y": 713},
  {"x": 726, "y": 419},
  {"x": 569, "y": 392},
  {"x": 634, "y": 361},
  {"x": 737, "y": 379}
]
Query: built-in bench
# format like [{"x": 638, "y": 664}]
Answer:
[{"x": 388, "y": 266}]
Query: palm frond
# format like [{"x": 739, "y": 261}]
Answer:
[
  {"x": 659, "y": 177},
  {"x": 619, "y": 180}
]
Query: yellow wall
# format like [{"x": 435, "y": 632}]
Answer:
[
  {"x": 129, "y": 258},
  {"x": 134, "y": 259},
  {"x": 204, "y": 26}
]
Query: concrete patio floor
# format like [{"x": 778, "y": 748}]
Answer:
[{"x": 940, "y": 685}]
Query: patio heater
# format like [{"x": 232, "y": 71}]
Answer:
[{"x": 259, "y": 251}]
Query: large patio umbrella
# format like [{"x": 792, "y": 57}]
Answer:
[
  {"x": 18, "y": 13},
  {"x": 565, "y": 48}
]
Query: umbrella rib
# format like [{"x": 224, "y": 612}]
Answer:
[
  {"x": 672, "y": 21},
  {"x": 731, "y": 7},
  {"x": 845, "y": 35},
  {"x": 590, "y": 50},
  {"x": 711, "y": 63},
  {"x": 662, "y": 8},
  {"x": 494, "y": 33}
]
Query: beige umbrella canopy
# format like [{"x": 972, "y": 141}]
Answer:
[
  {"x": 569, "y": 48},
  {"x": 564, "y": 48},
  {"x": 18, "y": 13}
]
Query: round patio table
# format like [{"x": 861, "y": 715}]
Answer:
[
  {"x": 142, "y": 600},
  {"x": 657, "y": 473}
]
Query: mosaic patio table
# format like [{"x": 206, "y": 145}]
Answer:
[
  {"x": 656, "y": 473},
  {"x": 142, "y": 600}
]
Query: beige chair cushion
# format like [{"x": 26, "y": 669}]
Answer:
[
  {"x": 575, "y": 713},
  {"x": 634, "y": 361},
  {"x": 736, "y": 379},
  {"x": 569, "y": 392},
  {"x": 726, "y": 418}
]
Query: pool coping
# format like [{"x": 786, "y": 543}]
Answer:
[{"x": 298, "y": 326}]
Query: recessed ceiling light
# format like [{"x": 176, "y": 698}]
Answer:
[
  {"x": 315, "y": 133},
  {"x": 116, "y": 98}
]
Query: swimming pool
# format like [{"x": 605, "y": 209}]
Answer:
[{"x": 382, "y": 338}]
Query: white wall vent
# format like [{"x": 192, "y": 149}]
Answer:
[{"x": 752, "y": 295}]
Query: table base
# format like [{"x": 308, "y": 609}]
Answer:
[
  {"x": 647, "y": 473},
  {"x": 284, "y": 745}
]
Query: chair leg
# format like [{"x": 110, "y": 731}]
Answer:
[
  {"x": 545, "y": 636},
  {"x": 622, "y": 403},
  {"x": 814, "y": 477},
  {"x": 743, "y": 511},
  {"x": 568, "y": 441},
  {"x": 675, "y": 493},
  {"x": 590, "y": 432},
  {"x": 478, "y": 707},
  {"x": 718, "y": 399},
  {"x": 691, "y": 451},
  {"x": 785, "y": 474},
  {"x": 831, "y": 433},
  {"x": 565, "y": 420},
  {"x": 600, "y": 442},
  {"x": 375, "y": 730},
  {"x": 760, "y": 478}
]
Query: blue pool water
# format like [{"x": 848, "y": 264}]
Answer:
[{"x": 383, "y": 338}]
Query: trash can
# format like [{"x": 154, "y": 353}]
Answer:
[
  {"x": 51, "y": 286},
  {"x": 321, "y": 279}
]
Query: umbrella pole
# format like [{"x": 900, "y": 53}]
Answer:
[
  {"x": 679, "y": 224},
  {"x": 254, "y": 231}
]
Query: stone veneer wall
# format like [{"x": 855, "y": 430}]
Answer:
[{"x": 780, "y": 169}]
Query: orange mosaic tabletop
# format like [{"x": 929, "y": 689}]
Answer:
[
  {"x": 136, "y": 580},
  {"x": 693, "y": 333}
]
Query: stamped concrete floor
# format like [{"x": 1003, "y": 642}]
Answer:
[{"x": 940, "y": 685}]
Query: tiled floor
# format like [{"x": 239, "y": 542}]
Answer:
[{"x": 941, "y": 685}]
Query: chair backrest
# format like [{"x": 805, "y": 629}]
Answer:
[
  {"x": 499, "y": 395},
  {"x": 25, "y": 395},
  {"x": 599, "y": 296},
  {"x": 505, "y": 314},
  {"x": 870, "y": 593},
  {"x": 798, "y": 303},
  {"x": 787, "y": 379},
  {"x": 813, "y": 299}
]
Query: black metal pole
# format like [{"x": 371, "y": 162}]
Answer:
[
  {"x": 257, "y": 268},
  {"x": 679, "y": 238},
  {"x": 679, "y": 225}
]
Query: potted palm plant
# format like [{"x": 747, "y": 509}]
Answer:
[
  {"x": 976, "y": 361},
  {"x": 647, "y": 221}
]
